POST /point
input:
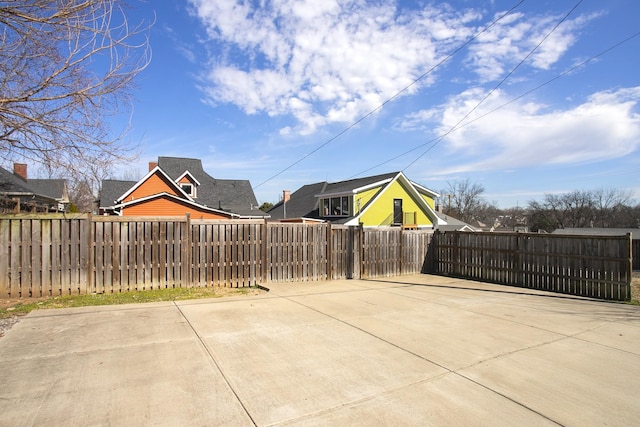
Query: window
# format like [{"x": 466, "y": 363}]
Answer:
[
  {"x": 189, "y": 189},
  {"x": 336, "y": 206}
]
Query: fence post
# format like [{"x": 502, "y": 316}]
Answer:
[
  {"x": 264, "y": 263},
  {"x": 629, "y": 270},
  {"x": 329, "y": 252},
  {"x": 186, "y": 254},
  {"x": 87, "y": 255},
  {"x": 400, "y": 251}
]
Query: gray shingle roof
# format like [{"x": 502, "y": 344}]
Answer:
[
  {"x": 235, "y": 196},
  {"x": 51, "y": 187},
  {"x": 41, "y": 192},
  {"x": 112, "y": 189},
  {"x": 304, "y": 203},
  {"x": 231, "y": 195}
]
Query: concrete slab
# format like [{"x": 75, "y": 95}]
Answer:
[
  {"x": 420, "y": 350},
  {"x": 288, "y": 361}
]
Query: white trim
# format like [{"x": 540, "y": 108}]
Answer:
[
  {"x": 190, "y": 175},
  {"x": 176, "y": 198},
  {"x": 425, "y": 190},
  {"x": 146, "y": 177},
  {"x": 435, "y": 219},
  {"x": 356, "y": 190}
]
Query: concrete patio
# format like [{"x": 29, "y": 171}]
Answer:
[{"x": 410, "y": 350}]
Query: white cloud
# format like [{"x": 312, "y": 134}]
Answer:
[
  {"x": 322, "y": 61},
  {"x": 508, "y": 42},
  {"x": 333, "y": 61},
  {"x": 605, "y": 126}
]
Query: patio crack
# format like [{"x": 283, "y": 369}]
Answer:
[
  {"x": 449, "y": 370},
  {"x": 216, "y": 364}
]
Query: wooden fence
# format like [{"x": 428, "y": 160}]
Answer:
[
  {"x": 50, "y": 255},
  {"x": 591, "y": 266}
]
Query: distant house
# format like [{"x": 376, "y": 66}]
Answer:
[
  {"x": 20, "y": 194},
  {"x": 176, "y": 186},
  {"x": 382, "y": 200},
  {"x": 449, "y": 223}
]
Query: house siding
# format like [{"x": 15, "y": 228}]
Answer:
[
  {"x": 364, "y": 198},
  {"x": 430, "y": 201},
  {"x": 381, "y": 214},
  {"x": 168, "y": 207},
  {"x": 155, "y": 184}
]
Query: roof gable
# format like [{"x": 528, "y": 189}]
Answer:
[
  {"x": 381, "y": 195},
  {"x": 154, "y": 182},
  {"x": 228, "y": 194}
]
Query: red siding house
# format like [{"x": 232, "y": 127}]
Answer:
[{"x": 176, "y": 186}]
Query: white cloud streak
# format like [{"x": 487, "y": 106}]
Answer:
[{"x": 605, "y": 126}]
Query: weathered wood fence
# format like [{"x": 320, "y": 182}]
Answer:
[
  {"x": 591, "y": 266},
  {"x": 50, "y": 255}
]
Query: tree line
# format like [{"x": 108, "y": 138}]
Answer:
[{"x": 599, "y": 208}]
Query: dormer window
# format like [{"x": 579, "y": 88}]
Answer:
[
  {"x": 336, "y": 206},
  {"x": 190, "y": 189}
]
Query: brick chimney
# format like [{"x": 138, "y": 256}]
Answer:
[
  {"x": 286, "y": 195},
  {"x": 152, "y": 165},
  {"x": 20, "y": 169}
]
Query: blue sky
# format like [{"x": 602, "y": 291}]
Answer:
[{"x": 274, "y": 92}]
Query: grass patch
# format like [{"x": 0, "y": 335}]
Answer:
[{"x": 22, "y": 307}]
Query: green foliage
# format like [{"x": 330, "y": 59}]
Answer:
[{"x": 266, "y": 206}]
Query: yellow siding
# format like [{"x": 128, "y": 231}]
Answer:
[
  {"x": 430, "y": 201},
  {"x": 364, "y": 198},
  {"x": 381, "y": 212}
]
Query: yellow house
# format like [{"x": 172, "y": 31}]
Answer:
[{"x": 376, "y": 201}]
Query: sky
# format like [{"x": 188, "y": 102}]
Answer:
[{"x": 525, "y": 98}]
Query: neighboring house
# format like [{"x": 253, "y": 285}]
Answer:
[
  {"x": 176, "y": 186},
  {"x": 382, "y": 200},
  {"x": 31, "y": 195},
  {"x": 449, "y": 223}
]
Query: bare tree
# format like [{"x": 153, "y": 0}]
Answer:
[
  {"x": 67, "y": 65},
  {"x": 463, "y": 200},
  {"x": 589, "y": 208}
]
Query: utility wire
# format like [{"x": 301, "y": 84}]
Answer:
[
  {"x": 496, "y": 87},
  {"x": 511, "y": 101},
  {"x": 379, "y": 107}
]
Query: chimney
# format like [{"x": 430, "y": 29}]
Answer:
[
  {"x": 286, "y": 195},
  {"x": 20, "y": 169},
  {"x": 152, "y": 165}
]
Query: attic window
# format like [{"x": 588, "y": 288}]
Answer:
[
  {"x": 336, "y": 206},
  {"x": 190, "y": 189}
]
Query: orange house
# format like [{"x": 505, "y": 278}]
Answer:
[{"x": 178, "y": 186}]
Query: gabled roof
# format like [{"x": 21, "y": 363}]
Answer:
[
  {"x": 353, "y": 186},
  {"x": 112, "y": 189},
  {"x": 45, "y": 190},
  {"x": 230, "y": 196},
  {"x": 155, "y": 171},
  {"x": 227, "y": 194},
  {"x": 449, "y": 223},
  {"x": 304, "y": 202}
]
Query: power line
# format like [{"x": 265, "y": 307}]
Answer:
[
  {"x": 396, "y": 95},
  {"x": 511, "y": 101},
  {"x": 497, "y": 86}
]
